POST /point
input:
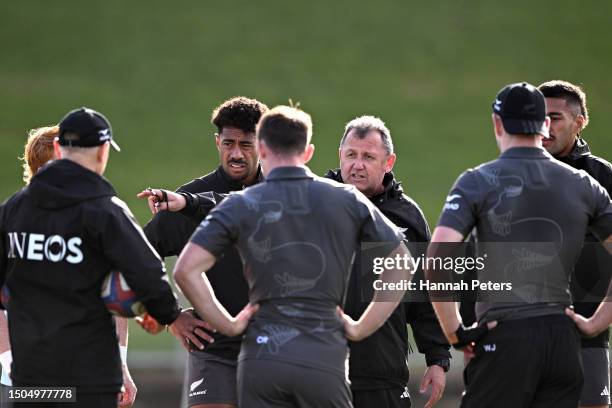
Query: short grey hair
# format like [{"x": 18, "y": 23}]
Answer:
[{"x": 363, "y": 125}]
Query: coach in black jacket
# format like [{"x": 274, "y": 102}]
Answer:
[
  {"x": 60, "y": 237},
  {"x": 378, "y": 366}
]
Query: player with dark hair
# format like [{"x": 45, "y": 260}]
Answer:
[
  {"x": 539, "y": 209},
  {"x": 567, "y": 108},
  {"x": 297, "y": 234},
  {"x": 211, "y": 373},
  {"x": 378, "y": 366},
  {"x": 59, "y": 238}
]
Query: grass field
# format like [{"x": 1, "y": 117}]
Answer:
[{"x": 157, "y": 69}]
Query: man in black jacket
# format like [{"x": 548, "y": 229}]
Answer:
[
  {"x": 566, "y": 107},
  {"x": 59, "y": 238},
  {"x": 378, "y": 367},
  {"x": 235, "y": 120}
]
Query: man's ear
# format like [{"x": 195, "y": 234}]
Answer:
[
  {"x": 498, "y": 126},
  {"x": 56, "y": 149},
  {"x": 263, "y": 149},
  {"x": 308, "y": 153},
  {"x": 580, "y": 122},
  {"x": 218, "y": 141},
  {"x": 102, "y": 152},
  {"x": 390, "y": 162}
]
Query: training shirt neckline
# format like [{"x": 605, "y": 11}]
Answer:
[
  {"x": 525, "y": 153},
  {"x": 290, "y": 172}
]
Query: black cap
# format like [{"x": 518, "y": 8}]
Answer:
[
  {"x": 522, "y": 109},
  {"x": 85, "y": 127}
]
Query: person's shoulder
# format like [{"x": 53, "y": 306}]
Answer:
[
  {"x": 201, "y": 184},
  {"x": 15, "y": 198},
  {"x": 599, "y": 164},
  {"x": 333, "y": 190},
  {"x": 410, "y": 205},
  {"x": 566, "y": 170},
  {"x": 12, "y": 203},
  {"x": 99, "y": 209}
]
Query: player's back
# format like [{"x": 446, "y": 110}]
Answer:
[
  {"x": 540, "y": 208},
  {"x": 297, "y": 235}
]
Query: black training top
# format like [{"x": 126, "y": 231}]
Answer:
[
  {"x": 297, "y": 235},
  {"x": 59, "y": 238},
  {"x": 592, "y": 272},
  {"x": 169, "y": 232},
  {"x": 526, "y": 196}
]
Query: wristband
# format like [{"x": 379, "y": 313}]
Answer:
[
  {"x": 123, "y": 354},
  {"x": 6, "y": 359},
  {"x": 468, "y": 336}
]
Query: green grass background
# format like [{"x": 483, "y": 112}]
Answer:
[{"x": 158, "y": 68}]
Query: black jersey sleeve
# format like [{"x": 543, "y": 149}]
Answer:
[
  {"x": 219, "y": 230},
  {"x": 124, "y": 244},
  {"x": 460, "y": 209},
  {"x": 168, "y": 232},
  {"x": 600, "y": 222},
  {"x": 375, "y": 226},
  {"x": 3, "y": 251},
  {"x": 198, "y": 205}
]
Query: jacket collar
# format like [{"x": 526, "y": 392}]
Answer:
[
  {"x": 581, "y": 149},
  {"x": 290, "y": 172},
  {"x": 525, "y": 153},
  {"x": 392, "y": 188}
]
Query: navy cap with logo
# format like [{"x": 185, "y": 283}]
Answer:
[
  {"x": 85, "y": 127},
  {"x": 522, "y": 109}
]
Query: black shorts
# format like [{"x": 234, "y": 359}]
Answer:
[
  {"x": 210, "y": 379},
  {"x": 276, "y": 384},
  {"x": 526, "y": 363},
  {"x": 596, "y": 366},
  {"x": 384, "y": 398}
]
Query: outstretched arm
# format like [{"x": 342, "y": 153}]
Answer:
[{"x": 195, "y": 206}]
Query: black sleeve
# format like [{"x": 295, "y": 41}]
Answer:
[
  {"x": 3, "y": 251},
  {"x": 169, "y": 232},
  {"x": 219, "y": 230},
  {"x": 375, "y": 226},
  {"x": 126, "y": 247},
  {"x": 600, "y": 222},
  {"x": 428, "y": 335},
  {"x": 198, "y": 205},
  {"x": 460, "y": 209},
  {"x": 427, "y": 332}
]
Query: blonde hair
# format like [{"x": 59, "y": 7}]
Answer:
[{"x": 38, "y": 150}]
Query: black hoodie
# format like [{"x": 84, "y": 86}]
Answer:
[
  {"x": 588, "y": 281},
  {"x": 60, "y": 237}
]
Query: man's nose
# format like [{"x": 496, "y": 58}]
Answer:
[{"x": 236, "y": 153}]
